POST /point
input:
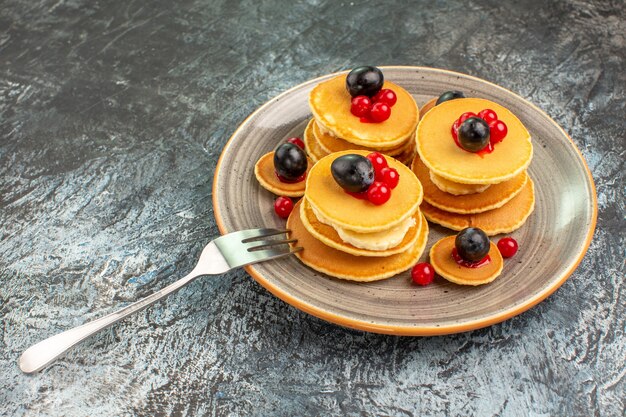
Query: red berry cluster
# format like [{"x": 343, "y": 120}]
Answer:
[
  {"x": 374, "y": 109},
  {"x": 385, "y": 179},
  {"x": 497, "y": 128}
]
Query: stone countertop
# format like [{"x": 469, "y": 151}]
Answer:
[{"x": 112, "y": 117}]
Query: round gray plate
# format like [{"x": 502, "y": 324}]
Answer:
[{"x": 552, "y": 242}]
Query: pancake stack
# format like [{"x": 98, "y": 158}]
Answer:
[
  {"x": 462, "y": 189},
  {"x": 335, "y": 129},
  {"x": 351, "y": 238}
]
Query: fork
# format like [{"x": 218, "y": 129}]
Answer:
[{"x": 219, "y": 256}]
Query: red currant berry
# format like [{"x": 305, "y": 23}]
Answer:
[
  {"x": 361, "y": 106},
  {"x": 423, "y": 274},
  {"x": 507, "y": 246},
  {"x": 386, "y": 96},
  {"x": 378, "y": 193},
  {"x": 283, "y": 206},
  {"x": 296, "y": 141},
  {"x": 488, "y": 115},
  {"x": 380, "y": 112},
  {"x": 497, "y": 131},
  {"x": 390, "y": 176},
  {"x": 466, "y": 116},
  {"x": 378, "y": 162}
]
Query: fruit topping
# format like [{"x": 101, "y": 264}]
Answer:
[
  {"x": 466, "y": 116},
  {"x": 423, "y": 273},
  {"x": 378, "y": 162},
  {"x": 473, "y": 134},
  {"x": 479, "y": 132},
  {"x": 290, "y": 162},
  {"x": 449, "y": 95},
  {"x": 283, "y": 206},
  {"x": 361, "y": 106},
  {"x": 472, "y": 244},
  {"x": 389, "y": 176},
  {"x": 488, "y": 115},
  {"x": 507, "y": 246},
  {"x": 366, "y": 178},
  {"x": 354, "y": 173},
  {"x": 386, "y": 96},
  {"x": 379, "y": 193},
  {"x": 364, "y": 81},
  {"x": 498, "y": 131},
  {"x": 380, "y": 112},
  {"x": 296, "y": 141}
]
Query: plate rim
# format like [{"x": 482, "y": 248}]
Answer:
[{"x": 411, "y": 330}]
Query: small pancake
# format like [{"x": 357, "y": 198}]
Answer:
[
  {"x": 445, "y": 266},
  {"x": 340, "y": 264},
  {"x": 427, "y": 106},
  {"x": 443, "y": 157},
  {"x": 456, "y": 188},
  {"x": 332, "y": 144},
  {"x": 495, "y": 196},
  {"x": 348, "y": 212},
  {"x": 505, "y": 219},
  {"x": 311, "y": 145},
  {"x": 330, "y": 104},
  {"x": 266, "y": 175},
  {"x": 329, "y": 236}
]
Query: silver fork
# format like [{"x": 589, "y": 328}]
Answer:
[{"x": 219, "y": 256}]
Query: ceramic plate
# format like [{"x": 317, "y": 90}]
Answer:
[{"x": 552, "y": 242}]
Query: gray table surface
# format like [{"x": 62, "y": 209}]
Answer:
[{"x": 112, "y": 117}]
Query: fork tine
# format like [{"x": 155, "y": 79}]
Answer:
[
  {"x": 250, "y": 234},
  {"x": 265, "y": 233},
  {"x": 269, "y": 243},
  {"x": 264, "y": 255}
]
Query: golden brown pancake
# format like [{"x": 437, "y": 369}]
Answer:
[
  {"x": 443, "y": 157},
  {"x": 329, "y": 236},
  {"x": 266, "y": 175},
  {"x": 495, "y": 196},
  {"x": 445, "y": 266},
  {"x": 505, "y": 219},
  {"x": 311, "y": 145},
  {"x": 330, "y": 103},
  {"x": 340, "y": 264},
  {"x": 348, "y": 212},
  {"x": 332, "y": 144}
]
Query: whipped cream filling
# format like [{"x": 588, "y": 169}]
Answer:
[
  {"x": 456, "y": 188},
  {"x": 383, "y": 240}
]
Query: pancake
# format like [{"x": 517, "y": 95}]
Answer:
[
  {"x": 340, "y": 264},
  {"x": 443, "y": 157},
  {"x": 407, "y": 156},
  {"x": 445, "y": 266},
  {"x": 312, "y": 147},
  {"x": 456, "y": 188},
  {"x": 266, "y": 175},
  {"x": 427, "y": 106},
  {"x": 329, "y": 236},
  {"x": 330, "y": 104},
  {"x": 348, "y": 212},
  {"x": 332, "y": 144},
  {"x": 505, "y": 219},
  {"x": 493, "y": 197}
]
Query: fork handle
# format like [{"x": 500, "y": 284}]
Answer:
[{"x": 47, "y": 351}]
